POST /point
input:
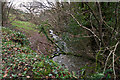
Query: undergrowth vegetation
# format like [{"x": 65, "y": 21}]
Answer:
[
  {"x": 20, "y": 61},
  {"x": 24, "y": 25},
  {"x": 89, "y": 30}
]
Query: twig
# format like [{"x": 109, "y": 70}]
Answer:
[
  {"x": 111, "y": 29},
  {"x": 108, "y": 26},
  {"x": 100, "y": 22},
  {"x": 114, "y": 59},
  {"x": 85, "y": 27},
  {"x": 116, "y": 15},
  {"x": 93, "y": 29},
  {"x": 107, "y": 60},
  {"x": 112, "y": 52},
  {"x": 93, "y": 12}
]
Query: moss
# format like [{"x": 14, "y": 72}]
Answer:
[{"x": 24, "y": 25}]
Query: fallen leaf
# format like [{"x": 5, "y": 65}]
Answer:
[
  {"x": 46, "y": 77},
  {"x": 28, "y": 76},
  {"x": 25, "y": 69},
  {"x": 19, "y": 74},
  {"x": 15, "y": 48},
  {"x": 53, "y": 76},
  {"x": 5, "y": 75}
]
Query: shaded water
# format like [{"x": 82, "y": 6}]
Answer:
[{"x": 71, "y": 62}]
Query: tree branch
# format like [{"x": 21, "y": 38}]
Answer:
[
  {"x": 94, "y": 14},
  {"x": 114, "y": 59},
  {"x": 84, "y": 27},
  {"x": 111, "y": 52},
  {"x": 100, "y": 22}
]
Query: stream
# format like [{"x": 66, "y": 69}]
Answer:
[{"x": 70, "y": 62}]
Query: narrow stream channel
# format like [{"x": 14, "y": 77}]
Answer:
[{"x": 71, "y": 62}]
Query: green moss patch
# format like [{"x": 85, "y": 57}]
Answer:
[{"x": 24, "y": 25}]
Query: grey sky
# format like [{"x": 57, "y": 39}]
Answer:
[{"x": 17, "y": 3}]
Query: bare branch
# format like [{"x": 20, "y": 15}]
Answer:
[
  {"x": 100, "y": 22},
  {"x": 85, "y": 27},
  {"x": 94, "y": 14},
  {"x": 111, "y": 52},
  {"x": 107, "y": 60},
  {"x": 114, "y": 59},
  {"x": 116, "y": 15}
]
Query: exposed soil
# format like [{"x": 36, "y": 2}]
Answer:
[{"x": 38, "y": 42}]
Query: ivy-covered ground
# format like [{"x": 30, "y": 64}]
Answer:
[{"x": 20, "y": 61}]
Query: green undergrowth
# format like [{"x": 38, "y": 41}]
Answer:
[
  {"x": 24, "y": 25},
  {"x": 20, "y": 61}
]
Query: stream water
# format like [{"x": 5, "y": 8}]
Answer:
[{"x": 71, "y": 62}]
